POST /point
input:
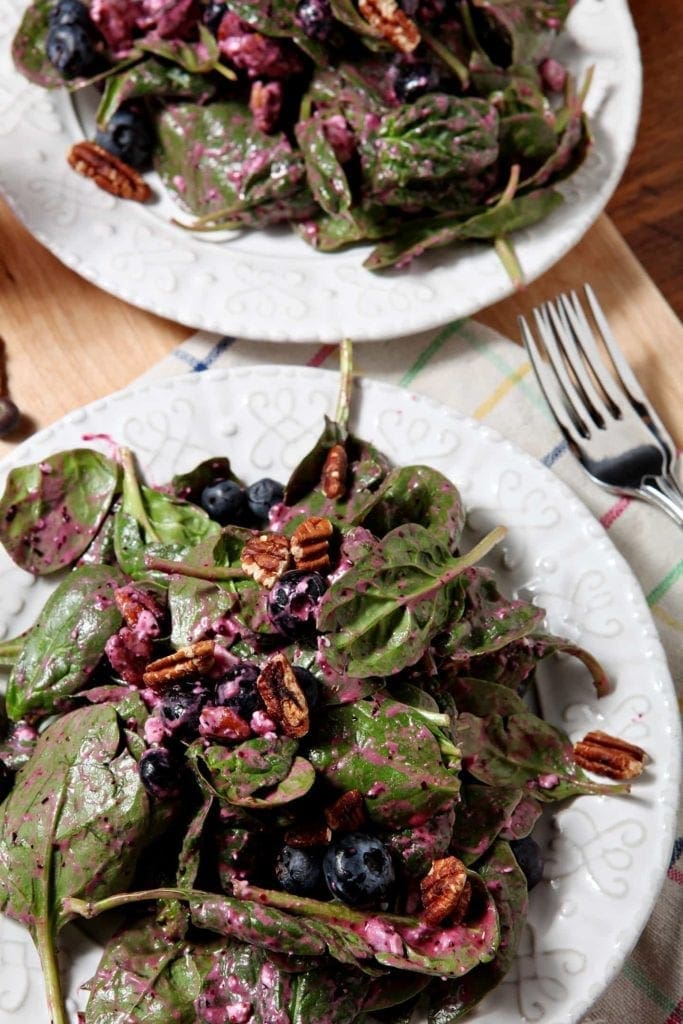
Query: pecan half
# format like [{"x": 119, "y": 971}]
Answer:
[
  {"x": 284, "y": 699},
  {"x": 133, "y": 601},
  {"x": 265, "y": 557},
  {"x": 311, "y": 544},
  {"x": 108, "y": 172},
  {"x": 445, "y": 891},
  {"x": 333, "y": 479},
  {"x": 391, "y": 22},
  {"x": 185, "y": 663},
  {"x": 347, "y": 813},
  {"x": 309, "y": 835},
  {"x": 603, "y": 754}
]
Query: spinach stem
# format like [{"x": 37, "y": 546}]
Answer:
[
  {"x": 217, "y": 572},
  {"x": 449, "y": 59},
  {"x": 345, "y": 384},
  {"x": 132, "y": 496},
  {"x": 225, "y": 71},
  {"x": 508, "y": 257},
  {"x": 74, "y": 907},
  {"x": 46, "y": 946}
]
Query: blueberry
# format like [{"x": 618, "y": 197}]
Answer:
[
  {"x": 310, "y": 686},
  {"x": 6, "y": 780},
  {"x": 180, "y": 708},
  {"x": 358, "y": 870},
  {"x": 262, "y": 495},
  {"x": 530, "y": 859},
  {"x": 128, "y": 136},
  {"x": 70, "y": 12},
  {"x": 224, "y": 501},
  {"x": 315, "y": 18},
  {"x": 237, "y": 689},
  {"x": 413, "y": 80},
  {"x": 299, "y": 870},
  {"x": 293, "y": 600},
  {"x": 69, "y": 48},
  {"x": 161, "y": 772},
  {"x": 213, "y": 14}
]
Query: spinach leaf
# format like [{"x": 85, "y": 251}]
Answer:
[
  {"x": 481, "y": 814},
  {"x": 386, "y": 750},
  {"x": 190, "y": 485},
  {"x": 198, "y": 57},
  {"x": 76, "y": 804},
  {"x": 493, "y": 222},
  {"x": 50, "y": 511},
  {"x": 154, "y": 78},
  {"x": 240, "y": 168},
  {"x": 419, "y": 845},
  {"x": 65, "y": 643},
  {"x": 28, "y": 46},
  {"x": 431, "y": 140},
  {"x": 326, "y": 176},
  {"x": 380, "y": 616},
  {"x": 494, "y": 621},
  {"x": 450, "y": 1001},
  {"x": 416, "y": 494},
  {"x": 258, "y": 773},
  {"x": 523, "y": 750},
  {"x": 148, "y": 974}
]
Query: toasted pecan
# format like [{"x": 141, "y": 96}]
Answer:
[
  {"x": 265, "y": 557},
  {"x": 392, "y": 23},
  {"x": 185, "y": 663},
  {"x": 446, "y": 891},
  {"x": 347, "y": 813},
  {"x": 284, "y": 699},
  {"x": 108, "y": 172},
  {"x": 607, "y": 755},
  {"x": 311, "y": 544},
  {"x": 335, "y": 469}
]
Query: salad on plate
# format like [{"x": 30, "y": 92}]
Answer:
[
  {"x": 410, "y": 124},
  {"x": 281, "y": 739}
]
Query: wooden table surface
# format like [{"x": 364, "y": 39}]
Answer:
[{"x": 69, "y": 343}]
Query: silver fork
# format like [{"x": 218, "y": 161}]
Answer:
[{"x": 605, "y": 417}]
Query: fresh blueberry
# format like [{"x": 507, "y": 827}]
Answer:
[
  {"x": 358, "y": 870},
  {"x": 225, "y": 502},
  {"x": 530, "y": 859},
  {"x": 237, "y": 689},
  {"x": 128, "y": 136},
  {"x": 6, "y": 780},
  {"x": 262, "y": 495},
  {"x": 161, "y": 772},
  {"x": 213, "y": 14},
  {"x": 69, "y": 48},
  {"x": 299, "y": 870},
  {"x": 70, "y": 12},
  {"x": 293, "y": 600},
  {"x": 315, "y": 18},
  {"x": 310, "y": 686},
  {"x": 413, "y": 80},
  {"x": 180, "y": 708}
]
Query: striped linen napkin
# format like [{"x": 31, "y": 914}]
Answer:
[{"x": 493, "y": 383}]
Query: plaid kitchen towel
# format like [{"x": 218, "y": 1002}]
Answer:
[{"x": 494, "y": 384}]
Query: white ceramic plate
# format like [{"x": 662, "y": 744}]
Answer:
[
  {"x": 268, "y": 285},
  {"x": 606, "y": 856}
]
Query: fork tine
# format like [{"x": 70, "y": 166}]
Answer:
[
  {"x": 626, "y": 376},
  {"x": 549, "y": 386},
  {"x": 568, "y": 391},
  {"x": 591, "y": 353},
  {"x": 569, "y": 333}
]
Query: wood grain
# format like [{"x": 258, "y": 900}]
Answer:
[{"x": 647, "y": 207}]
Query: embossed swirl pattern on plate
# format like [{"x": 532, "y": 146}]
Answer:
[
  {"x": 602, "y": 852},
  {"x": 269, "y": 285}
]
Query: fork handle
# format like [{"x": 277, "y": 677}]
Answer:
[{"x": 664, "y": 492}]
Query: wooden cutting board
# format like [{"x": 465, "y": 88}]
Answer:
[{"x": 68, "y": 342}]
